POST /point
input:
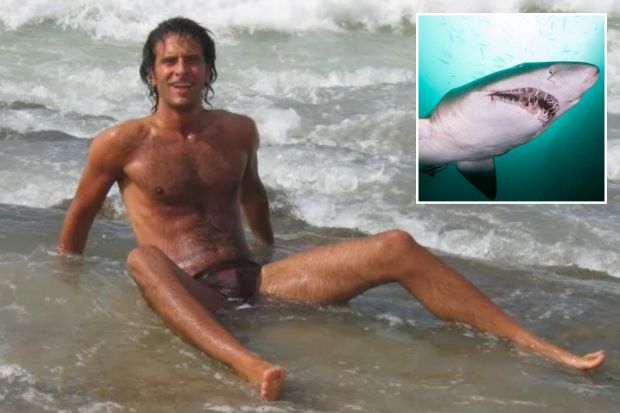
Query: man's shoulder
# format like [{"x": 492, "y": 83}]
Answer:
[
  {"x": 242, "y": 127},
  {"x": 125, "y": 132},
  {"x": 119, "y": 140}
]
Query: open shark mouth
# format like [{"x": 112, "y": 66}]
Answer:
[{"x": 535, "y": 101}]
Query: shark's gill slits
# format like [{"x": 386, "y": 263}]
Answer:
[{"x": 535, "y": 101}]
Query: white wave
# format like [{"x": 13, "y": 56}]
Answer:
[
  {"x": 392, "y": 319},
  {"x": 344, "y": 175},
  {"x": 42, "y": 119},
  {"x": 286, "y": 82},
  {"x": 37, "y": 398},
  {"x": 123, "y": 20},
  {"x": 613, "y": 71},
  {"x": 386, "y": 133},
  {"x": 48, "y": 185},
  {"x": 129, "y": 21},
  {"x": 13, "y": 373},
  {"x": 274, "y": 124},
  {"x": 87, "y": 90},
  {"x": 14, "y": 378},
  {"x": 483, "y": 6},
  {"x": 101, "y": 407},
  {"x": 515, "y": 242},
  {"x": 613, "y": 159},
  {"x": 577, "y": 6},
  {"x": 38, "y": 192},
  {"x": 341, "y": 195}
]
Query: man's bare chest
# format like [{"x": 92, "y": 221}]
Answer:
[{"x": 186, "y": 171}]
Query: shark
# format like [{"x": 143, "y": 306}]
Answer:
[{"x": 488, "y": 117}]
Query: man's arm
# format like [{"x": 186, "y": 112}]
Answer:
[
  {"x": 253, "y": 195},
  {"x": 103, "y": 167}
]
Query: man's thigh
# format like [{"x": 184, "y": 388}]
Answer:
[
  {"x": 150, "y": 265},
  {"x": 329, "y": 274}
]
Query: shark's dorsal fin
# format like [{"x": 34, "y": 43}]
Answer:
[{"x": 481, "y": 174}]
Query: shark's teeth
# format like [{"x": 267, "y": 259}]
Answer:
[{"x": 534, "y": 100}]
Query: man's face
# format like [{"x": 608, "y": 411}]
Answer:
[{"x": 179, "y": 72}]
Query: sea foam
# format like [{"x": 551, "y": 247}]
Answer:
[
  {"x": 613, "y": 159},
  {"x": 129, "y": 21},
  {"x": 286, "y": 82}
]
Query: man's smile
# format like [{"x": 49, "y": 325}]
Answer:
[{"x": 181, "y": 86}]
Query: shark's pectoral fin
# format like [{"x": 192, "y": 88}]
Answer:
[
  {"x": 431, "y": 170},
  {"x": 481, "y": 174}
]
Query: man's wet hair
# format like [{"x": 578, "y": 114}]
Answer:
[{"x": 183, "y": 27}]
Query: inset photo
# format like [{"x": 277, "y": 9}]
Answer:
[{"x": 511, "y": 108}]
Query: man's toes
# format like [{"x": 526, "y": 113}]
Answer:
[{"x": 272, "y": 383}]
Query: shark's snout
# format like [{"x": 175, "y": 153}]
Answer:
[
  {"x": 588, "y": 73},
  {"x": 595, "y": 71},
  {"x": 592, "y": 74},
  {"x": 572, "y": 81}
]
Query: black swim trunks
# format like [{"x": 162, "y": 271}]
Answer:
[{"x": 236, "y": 279}]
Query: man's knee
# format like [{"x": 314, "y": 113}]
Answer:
[
  {"x": 139, "y": 257},
  {"x": 396, "y": 242},
  {"x": 397, "y": 237}
]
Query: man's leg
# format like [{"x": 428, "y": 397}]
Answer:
[
  {"x": 339, "y": 272},
  {"x": 187, "y": 307}
]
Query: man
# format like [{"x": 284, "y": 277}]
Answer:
[{"x": 187, "y": 175}]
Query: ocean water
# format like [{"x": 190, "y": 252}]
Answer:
[
  {"x": 567, "y": 163},
  {"x": 332, "y": 88}
]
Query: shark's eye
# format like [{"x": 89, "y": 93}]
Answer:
[{"x": 551, "y": 72}]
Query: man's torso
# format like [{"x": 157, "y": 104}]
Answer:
[{"x": 181, "y": 191}]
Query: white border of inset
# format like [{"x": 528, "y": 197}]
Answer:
[{"x": 417, "y": 123}]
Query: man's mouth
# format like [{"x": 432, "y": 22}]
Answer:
[{"x": 181, "y": 86}]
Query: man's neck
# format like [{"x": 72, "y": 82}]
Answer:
[{"x": 185, "y": 122}]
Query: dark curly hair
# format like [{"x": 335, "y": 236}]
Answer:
[{"x": 183, "y": 27}]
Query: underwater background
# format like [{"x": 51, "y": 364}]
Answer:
[{"x": 565, "y": 163}]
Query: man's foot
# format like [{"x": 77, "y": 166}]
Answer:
[
  {"x": 267, "y": 377},
  {"x": 589, "y": 361},
  {"x": 271, "y": 384},
  {"x": 557, "y": 354}
]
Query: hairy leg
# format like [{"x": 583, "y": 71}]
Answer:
[
  {"x": 339, "y": 272},
  {"x": 187, "y": 307}
]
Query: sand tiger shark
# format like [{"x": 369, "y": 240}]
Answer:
[{"x": 488, "y": 117}]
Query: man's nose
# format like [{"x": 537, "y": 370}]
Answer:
[{"x": 181, "y": 66}]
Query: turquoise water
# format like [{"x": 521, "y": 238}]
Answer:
[{"x": 566, "y": 162}]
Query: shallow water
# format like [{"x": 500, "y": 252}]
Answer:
[
  {"x": 332, "y": 88},
  {"x": 77, "y": 335}
]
